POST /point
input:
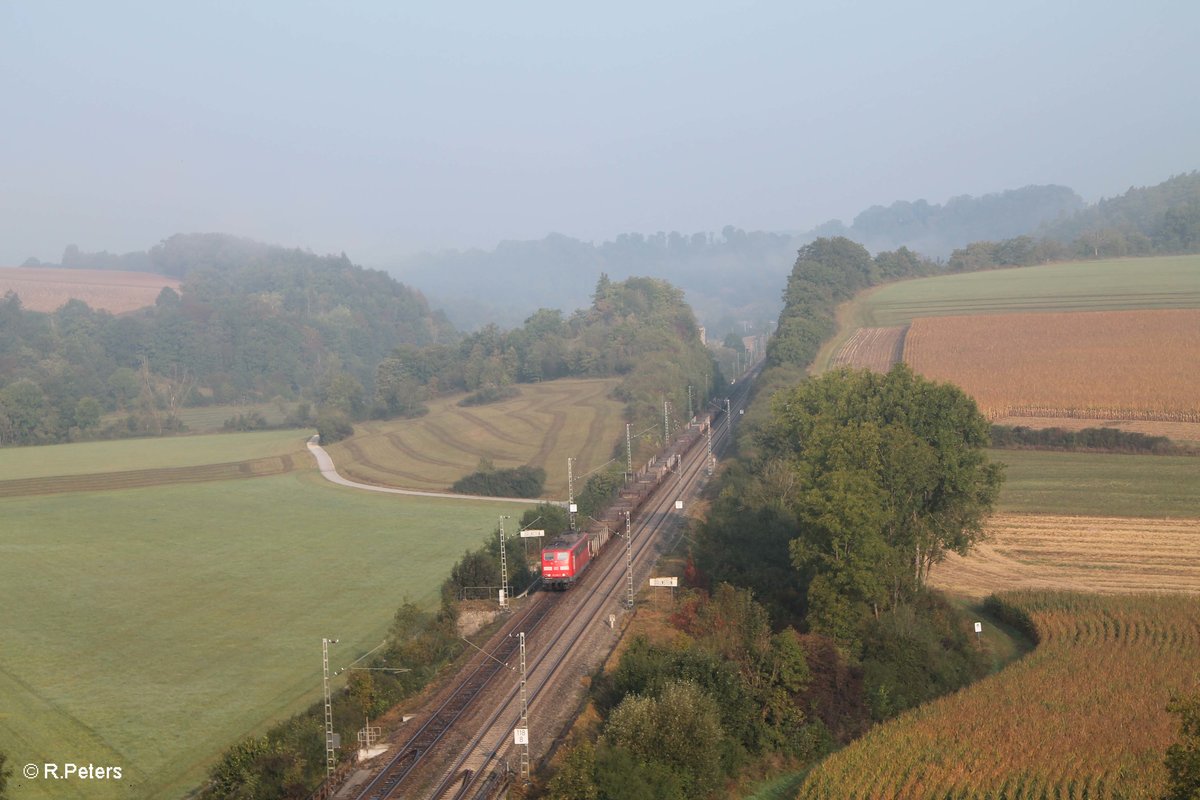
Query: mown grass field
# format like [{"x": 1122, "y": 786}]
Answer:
[
  {"x": 542, "y": 427},
  {"x": 1084, "y": 715},
  {"x": 86, "y": 458},
  {"x": 1099, "y": 484},
  {"x": 151, "y": 628}
]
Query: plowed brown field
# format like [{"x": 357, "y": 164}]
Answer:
[
  {"x": 1133, "y": 365},
  {"x": 876, "y": 349},
  {"x": 46, "y": 289},
  {"x": 1086, "y": 554}
]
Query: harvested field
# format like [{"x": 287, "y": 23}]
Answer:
[
  {"x": 541, "y": 427},
  {"x": 1083, "y": 716},
  {"x": 1091, "y": 365},
  {"x": 1104, "y": 555},
  {"x": 876, "y": 349},
  {"x": 46, "y": 289}
]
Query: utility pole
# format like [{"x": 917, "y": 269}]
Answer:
[
  {"x": 728, "y": 417},
  {"x": 524, "y": 715},
  {"x": 710, "y": 463},
  {"x": 691, "y": 413},
  {"x": 666, "y": 421},
  {"x": 504, "y": 590},
  {"x": 330, "y": 744},
  {"x": 571, "y": 490},
  {"x": 629, "y": 557},
  {"x": 628, "y": 453}
]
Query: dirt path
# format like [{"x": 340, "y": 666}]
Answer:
[{"x": 330, "y": 473}]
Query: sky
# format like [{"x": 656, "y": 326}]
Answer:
[{"x": 383, "y": 129}]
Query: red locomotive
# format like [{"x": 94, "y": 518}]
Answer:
[{"x": 565, "y": 558}]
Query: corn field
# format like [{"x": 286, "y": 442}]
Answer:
[
  {"x": 1128, "y": 365},
  {"x": 1082, "y": 716}
]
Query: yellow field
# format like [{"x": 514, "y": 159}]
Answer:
[
  {"x": 46, "y": 289},
  {"x": 1130, "y": 365},
  {"x": 542, "y": 427},
  {"x": 1083, "y": 716},
  {"x": 1084, "y": 554}
]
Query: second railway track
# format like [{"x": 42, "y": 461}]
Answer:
[{"x": 463, "y": 747}]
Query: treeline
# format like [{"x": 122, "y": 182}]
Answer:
[
  {"x": 936, "y": 230},
  {"x": 252, "y": 322},
  {"x": 728, "y": 276},
  {"x": 640, "y": 329},
  {"x": 1156, "y": 220},
  {"x": 828, "y": 272},
  {"x": 1106, "y": 440},
  {"x": 679, "y": 719},
  {"x": 846, "y": 490}
]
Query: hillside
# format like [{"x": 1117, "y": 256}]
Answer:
[{"x": 250, "y": 322}]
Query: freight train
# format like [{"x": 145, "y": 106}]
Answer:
[{"x": 566, "y": 558}]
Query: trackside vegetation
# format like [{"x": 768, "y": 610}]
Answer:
[{"x": 1084, "y": 715}]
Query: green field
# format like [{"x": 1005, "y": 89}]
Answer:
[
  {"x": 120, "y": 455},
  {"x": 542, "y": 427},
  {"x": 1099, "y": 484},
  {"x": 150, "y": 628},
  {"x": 1161, "y": 282}
]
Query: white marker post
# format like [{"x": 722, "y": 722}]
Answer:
[{"x": 978, "y": 631}]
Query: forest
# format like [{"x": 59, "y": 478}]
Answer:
[{"x": 252, "y": 322}]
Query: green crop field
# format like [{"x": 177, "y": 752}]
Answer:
[
  {"x": 1099, "y": 484},
  {"x": 86, "y": 458},
  {"x": 151, "y": 628},
  {"x": 1161, "y": 282},
  {"x": 542, "y": 427}
]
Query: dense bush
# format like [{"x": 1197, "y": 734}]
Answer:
[
  {"x": 523, "y": 481},
  {"x": 1109, "y": 440},
  {"x": 490, "y": 394}
]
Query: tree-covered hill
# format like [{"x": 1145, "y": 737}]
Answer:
[
  {"x": 640, "y": 329},
  {"x": 936, "y": 230},
  {"x": 252, "y": 321},
  {"x": 727, "y": 278},
  {"x": 1164, "y": 218}
]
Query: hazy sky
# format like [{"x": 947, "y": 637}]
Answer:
[{"x": 385, "y": 128}]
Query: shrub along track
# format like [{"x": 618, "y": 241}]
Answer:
[{"x": 140, "y": 478}]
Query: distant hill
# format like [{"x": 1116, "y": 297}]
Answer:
[
  {"x": 1164, "y": 218},
  {"x": 728, "y": 278},
  {"x": 935, "y": 231},
  {"x": 249, "y": 322}
]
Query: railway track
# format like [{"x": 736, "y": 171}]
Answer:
[{"x": 477, "y": 756}]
